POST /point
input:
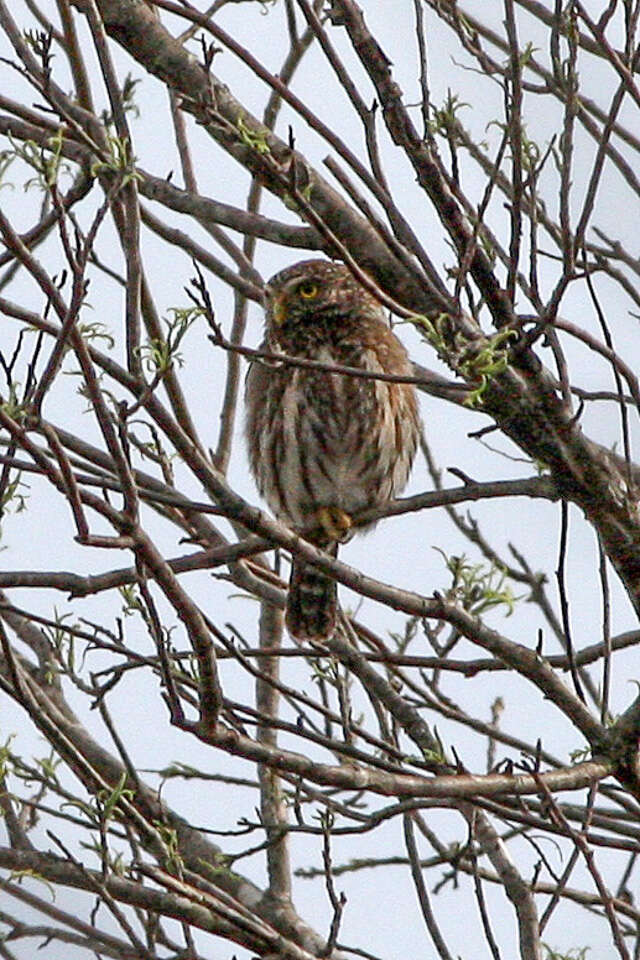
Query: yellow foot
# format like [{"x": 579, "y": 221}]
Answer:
[{"x": 335, "y": 523}]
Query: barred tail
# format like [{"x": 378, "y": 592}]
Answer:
[{"x": 312, "y": 603}]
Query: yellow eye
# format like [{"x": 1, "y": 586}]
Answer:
[{"x": 308, "y": 290}]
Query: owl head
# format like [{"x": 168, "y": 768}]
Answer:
[{"x": 315, "y": 292}]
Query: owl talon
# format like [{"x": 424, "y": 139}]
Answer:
[{"x": 335, "y": 523}]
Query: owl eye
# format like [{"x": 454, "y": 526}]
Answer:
[{"x": 308, "y": 290}]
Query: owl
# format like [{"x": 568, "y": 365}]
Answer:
[{"x": 325, "y": 446}]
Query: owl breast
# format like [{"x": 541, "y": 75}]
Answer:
[{"x": 328, "y": 439}]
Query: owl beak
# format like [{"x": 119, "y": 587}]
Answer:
[{"x": 278, "y": 308}]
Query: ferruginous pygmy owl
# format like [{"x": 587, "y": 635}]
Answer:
[{"x": 325, "y": 446}]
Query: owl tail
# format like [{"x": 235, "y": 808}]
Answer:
[{"x": 312, "y": 602}]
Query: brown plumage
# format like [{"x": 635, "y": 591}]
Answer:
[{"x": 324, "y": 446}]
